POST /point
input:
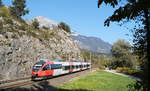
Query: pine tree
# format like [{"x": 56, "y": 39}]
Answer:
[
  {"x": 19, "y": 8},
  {"x": 1, "y": 3}
]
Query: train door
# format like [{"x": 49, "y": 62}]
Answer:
[
  {"x": 46, "y": 71},
  {"x": 71, "y": 66},
  {"x": 57, "y": 68},
  {"x": 65, "y": 67}
]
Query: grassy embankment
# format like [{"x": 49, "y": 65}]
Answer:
[{"x": 98, "y": 81}]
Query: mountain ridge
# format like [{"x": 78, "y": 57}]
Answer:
[
  {"x": 93, "y": 44},
  {"x": 89, "y": 43}
]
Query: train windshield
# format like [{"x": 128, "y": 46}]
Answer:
[
  {"x": 38, "y": 65},
  {"x": 36, "y": 68},
  {"x": 41, "y": 62}
]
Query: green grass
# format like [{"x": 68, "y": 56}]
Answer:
[{"x": 98, "y": 81}]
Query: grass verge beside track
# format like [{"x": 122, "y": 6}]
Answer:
[{"x": 98, "y": 81}]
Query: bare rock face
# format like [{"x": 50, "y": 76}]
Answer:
[{"x": 19, "y": 53}]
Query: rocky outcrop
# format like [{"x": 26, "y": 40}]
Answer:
[{"x": 18, "y": 53}]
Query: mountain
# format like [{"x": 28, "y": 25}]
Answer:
[
  {"x": 93, "y": 44},
  {"x": 44, "y": 22}
]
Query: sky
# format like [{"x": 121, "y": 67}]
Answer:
[{"x": 83, "y": 16}]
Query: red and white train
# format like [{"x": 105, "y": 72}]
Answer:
[{"x": 45, "y": 68}]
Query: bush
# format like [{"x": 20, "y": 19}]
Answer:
[
  {"x": 101, "y": 67},
  {"x": 65, "y": 27},
  {"x": 9, "y": 21},
  {"x": 22, "y": 27},
  {"x": 1, "y": 26},
  {"x": 127, "y": 70},
  {"x": 31, "y": 33},
  {"x": 44, "y": 27},
  {"x": 35, "y": 23},
  {"x": 45, "y": 34},
  {"x": 4, "y": 11}
]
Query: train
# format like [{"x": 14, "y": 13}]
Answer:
[{"x": 45, "y": 68}]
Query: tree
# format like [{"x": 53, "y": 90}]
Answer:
[
  {"x": 35, "y": 23},
  {"x": 140, "y": 46},
  {"x": 1, "y": 3},
  {"x": 65, "y": 27},
  {"x": 122, "y": 55},
  {"x": 18, "y": 8},
  {"x": 85, "y": 54},
  {"x": 134, "y": 10}
]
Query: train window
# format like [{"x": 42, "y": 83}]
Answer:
[
  {"x": 66, "y": 67},
  {"x": 44, "y": 68},
  {"x": 47, "y": 67},
  {"x": 83, "y": 65},
  {"x": 36, "y": 68},
  {"x": 76, "y": 66},
  {"x": 56, "y": 66},
  {"x": 80, "y": 66},
  {"x": 72, "y": 67}
]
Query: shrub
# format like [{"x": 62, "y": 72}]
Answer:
[
  {"x": 4, "y": 11},
  {"x": 22, "y": 27},
  {"x": 35, "y": 23},
  {"x": 45, "y": 34},
  {"x": 126, "y": 70},
  {"x": 1, "y": 26},
  {"x": 31, "y": 33},
  {"x": 102, "y": 67},
  {"x": 44, "y": 27},
  {"x": 9, "y": 21},
  {"x": 65, "y": 27},
  {"x": 119, "y": 69}
]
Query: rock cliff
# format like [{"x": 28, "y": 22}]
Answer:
[{"x": 21, "y": 46}]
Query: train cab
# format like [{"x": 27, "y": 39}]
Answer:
[{"x": 41, "y": 69}]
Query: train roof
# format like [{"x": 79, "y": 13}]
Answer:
[
  {"x": 58, "y": 60},
  {"x": 44, "y": 60}
]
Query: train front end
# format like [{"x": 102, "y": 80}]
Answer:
[{"x": 37, "y": 70}]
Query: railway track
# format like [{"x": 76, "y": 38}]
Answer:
[
  {"x": 12, "y": 84},
  {"x": 14, "y": 80},
  {"x": 15, "y": 85}
]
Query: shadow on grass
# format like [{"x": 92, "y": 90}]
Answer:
[
  {"x": 137, "y": 86},
  {"x": 42, "y": 86}
]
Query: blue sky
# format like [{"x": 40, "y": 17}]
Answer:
[{"x": 82, "y": 15}]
